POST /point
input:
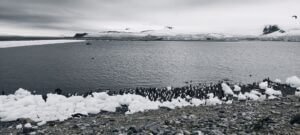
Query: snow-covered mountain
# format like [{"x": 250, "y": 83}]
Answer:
[{"x": 171, "y": 34}]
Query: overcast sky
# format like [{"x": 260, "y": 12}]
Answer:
[{"x": 65, "y": 17}]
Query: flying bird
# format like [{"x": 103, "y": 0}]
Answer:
[{"x": 294, "y": 16}]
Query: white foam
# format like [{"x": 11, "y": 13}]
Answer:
[{"x": 8, "y": 44}]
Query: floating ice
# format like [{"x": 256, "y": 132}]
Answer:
[{"x": 8, "y": 44}]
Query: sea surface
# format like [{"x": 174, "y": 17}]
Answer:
[{"x": 113, "y": 65}]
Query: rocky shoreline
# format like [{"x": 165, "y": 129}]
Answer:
[{"x": 247, "y": 117}]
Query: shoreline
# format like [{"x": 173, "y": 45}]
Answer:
[
  {"x": 260, "y": 117},
  {"x": 241, "y": 109}
]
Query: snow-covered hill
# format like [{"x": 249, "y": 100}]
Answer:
[
  {"x": 290, "y": 35},
  {"x": 168, "y": 34}
]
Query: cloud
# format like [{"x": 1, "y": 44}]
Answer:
[{"x": 95, "y": 15}]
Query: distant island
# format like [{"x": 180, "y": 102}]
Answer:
[{"x": 269, "y": 33}]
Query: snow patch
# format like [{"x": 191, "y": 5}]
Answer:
[
  {"x": 27, "y": 125},
  {"x": 22, "y": 104},
  {"x": 293, "y": 81},
  {"x": 19, "y": 126},
  {"x": 237, "y": 88},
  {"x": 263, "y": 85},
  {"x": 227, "y": 90},
  {"x": 272, "y": 92},
  {"x": 277, "y": 80}
]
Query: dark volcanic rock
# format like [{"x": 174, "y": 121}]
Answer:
[{"x": 295, "y": 119}]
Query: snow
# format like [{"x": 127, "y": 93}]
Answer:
[
  {"x": 23, "y": 104},
  {"x": 27, "y": 125},
  {"x": 227, "y": 90},
  {"x": 212, "y": 100},
  {"x": 242, "y": 97},
  {"x": 8, "y": 44},
  {"x": 293, "y": 81},
  {"x": 237, "y": 88},
  {"x": 41, "y": 123},
  {"x": 290, "y": 35},
  {"x": 199, "y": 133},
  {"x": 263, "y": 85},
  {"x": 19, "y": 126},
  {"x": 272, "y": 92},
  {"x": 297, "y": 93},
  {"x": 277, "y": 80}
]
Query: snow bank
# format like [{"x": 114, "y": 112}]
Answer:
[
  {"x": 22, "y": 104},
  {"x": 263, "y": 85},
  {"x": 272, "y": 92},
  {"x": 277, "y": 80},
  {"x": 227, "y": 90},
  {"x": 293, "y": 81},
  {"x": 8, "y": 44},
  {"x": 237, "y": 88}
]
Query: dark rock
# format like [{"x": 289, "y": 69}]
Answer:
[
  {"x": 221, "y": 111},
  {"x": 132, "y": 130},
  {"x": 260, "y": 124},
  {"x": 75, "y": 126},
  {"x": 78, "y": 115},
  {"x": 51, "y": 123},
  {"x": 123, "y": 109},
  {"x": 27, "y": 130},
  {"x": 295, "y": 119},
  {"x": 44, "y": 97},
  {"x": 58, "y": 91}
]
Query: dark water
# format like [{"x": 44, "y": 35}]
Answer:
[{"x": 128, "y": 64}]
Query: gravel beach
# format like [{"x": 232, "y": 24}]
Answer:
[{"x": 248, "y": 117}]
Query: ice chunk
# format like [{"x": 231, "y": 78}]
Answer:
[
  {"x": 227, "y": 90},
  {"x": 293, "y": 81},
  {"x": 237, "y": 88},
  {"x": 19, "y": 126},
  {"x": 263, "y": 85}
]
